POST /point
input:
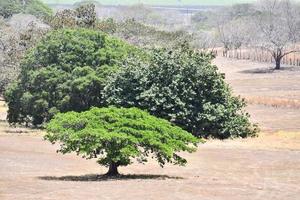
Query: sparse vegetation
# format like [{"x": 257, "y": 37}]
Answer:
[
  {"x": 268, "y": 25},
  {"x": 14, "y": 42}
]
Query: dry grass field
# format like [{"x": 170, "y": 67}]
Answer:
[
  {"x": 262, "y": 168},
  {"x": 273, "y": 96}
]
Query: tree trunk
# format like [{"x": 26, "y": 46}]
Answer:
[
  {"x": 277, "y": 61},
  {"x": 113, "y": 170}
]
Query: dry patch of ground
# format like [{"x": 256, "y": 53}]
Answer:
[
  {"x": 281, "y": 140},
  {"x": 273, "y": 95},
  {"x": 30, "y": 169}
]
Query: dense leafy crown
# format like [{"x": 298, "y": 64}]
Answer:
[
  {"x": 66, "y": 71},
  {"x": 119, "y": 135},
  {"x": 184, "y": 87}
]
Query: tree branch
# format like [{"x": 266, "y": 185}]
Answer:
[{"x": 289, "y": 52}]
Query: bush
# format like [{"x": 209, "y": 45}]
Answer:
[
  {"x": 38, "y": 9},
  {"x": 117, "y": 136},
  {"x": 33, "y": 7},
  {"x": 184, "y": 87},
  {"x": 107, "y": 25},
  {"x": 84, "y": 16},
  {"x": 10, "y": 7},
  {"x": 66, "y": 71}
]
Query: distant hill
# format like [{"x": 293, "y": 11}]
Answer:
[{"x": 156, "y": 2}]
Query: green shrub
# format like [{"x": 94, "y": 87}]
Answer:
[
  {"x": 10, "y": 7},
  {"x": 116, "y": 136},
  {"x": 181, "y": 86},
  {"x": 66, "y": 71},
  {"x": 107, "y": 25},
  {"x": 38, "y": 9},
  {"x": 33, "y": 7},
  {"x": 84, "y": 16}
]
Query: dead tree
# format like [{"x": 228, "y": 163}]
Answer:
[{"x": 278, "y": 28}]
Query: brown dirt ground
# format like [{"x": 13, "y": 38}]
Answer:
[
  {"x": 274, "y": 96},
  {"x": 263, "y": 168}
]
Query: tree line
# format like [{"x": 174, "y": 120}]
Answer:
[{"x": 272, "y": 25}]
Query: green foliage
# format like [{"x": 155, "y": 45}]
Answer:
[
  {"x": 143, "y": 35},
  {"x": 66, "y": 71},
  {"x": 83, "y": 16},
  {"x": 129, "y": 30},
  {"x": 108, "y": 26},
  {"x": 33, "y": 7},
  {"x": 38, "y": 9},
  {"x": 116, "y": 136},
  {"x": 181, "y": 86},
  {"x": 10, "y": 7},
  {"x": 86, "y": 15}
]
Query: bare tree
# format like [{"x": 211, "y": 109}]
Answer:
[
  {"x": 278, "y": 28},
  {"x": 17, "y": 35},
  {"x": 222, "y": 30},
  {"x": 235, "y": 33},
  {"x": 233, "y": 26},
  {"x": 204, "y": 41}
]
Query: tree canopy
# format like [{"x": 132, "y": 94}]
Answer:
[
  {"x": 182, "y": 86},
  {"x": 117, "y": 136},
  {"x": 76, "y": 69},
  {"x": 65, "y": 71}
]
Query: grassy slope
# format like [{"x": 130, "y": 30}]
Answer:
[{"x": 158, "y": 2}]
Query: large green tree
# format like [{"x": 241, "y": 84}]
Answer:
[
  {"x": 117, "y": 136},
  {"x": 182, "y": 86},
  {"x": 66, "y": 71}
]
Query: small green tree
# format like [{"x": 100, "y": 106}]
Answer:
[
  {"x": 182, "y": 86},
  {"x": 116, "y": 136}
]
